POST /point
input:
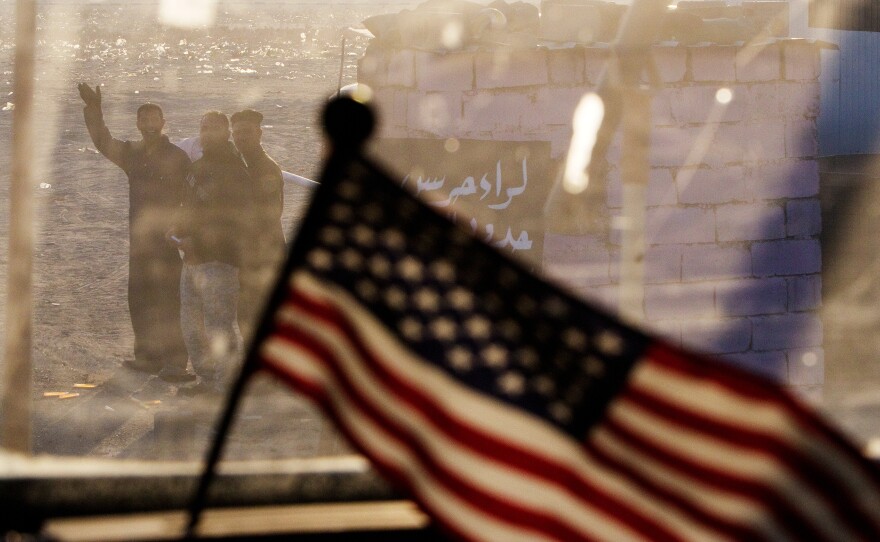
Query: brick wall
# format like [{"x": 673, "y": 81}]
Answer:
[{"x": 733, "y": 260}]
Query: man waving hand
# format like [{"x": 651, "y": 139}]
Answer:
[{"x": 156, "y": 171}]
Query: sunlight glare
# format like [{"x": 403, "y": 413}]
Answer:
[
  {"x": 191, "y": 14},
  {"x": 587, "y": 119},
  {"x": 453, "y": 34},
  {"x": 724, "y": 96}
]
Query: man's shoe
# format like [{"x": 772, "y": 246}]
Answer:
[
  {"x": 142, "y": 366},
  {"x": 200, "y": 389},
  {"x": 176, "y": 375}
]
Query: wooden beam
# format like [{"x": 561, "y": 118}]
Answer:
[
  {"x": 243, "y": 522},
  {"x": 16, "y": 400}
]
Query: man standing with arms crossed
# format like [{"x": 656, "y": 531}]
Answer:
[
  {"x": 266, "y": 250},
  {"x": 156, "y": 171}
]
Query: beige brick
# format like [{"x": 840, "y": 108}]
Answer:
[
  {"x": 713, "y": 63},
  {"x": 553, "y": 105},
  {"x": 698, "y": 103},
  {"x": 671, "y": 63},
  {"x": 401, "y": 69},
  {"x": 765, "y": 100},
  {"x": 801, "y": 60},
  {"x": 560, "y": 141},
  {"x": 504, "y": 69},
  {"x": 436, "y": 113},
  {"x": 595, "y": 60},
  {"x": 391, "y": 105},
  {"x": 764, "y": 141},
  {"x": 758, "y": 63},
  {"x": 444, "y": 72},
  {"x": 800, "y": 99},
  {"x": 726, "y": 145},
  {"x": 801, "y": 138},
  {"x": 492, "y": 111},
  {"x": 671, "y": 146},
  {"x": 566, "y": 66},
  {"x": 373, "y": 70}
]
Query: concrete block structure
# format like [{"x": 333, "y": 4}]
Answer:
[{"x": 733, "y": 260}]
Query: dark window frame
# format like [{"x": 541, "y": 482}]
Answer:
[{"x": 855, "y": 15}]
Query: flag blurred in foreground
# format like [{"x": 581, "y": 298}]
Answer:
[{"x": 513, "y": 412}]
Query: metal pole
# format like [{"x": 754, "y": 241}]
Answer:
[
  {"x": 628, "y": 102},
  {"x": 16, "y": 403},
  {"x": 200, "y": 500},
  {"x": 635, "y": 171}
]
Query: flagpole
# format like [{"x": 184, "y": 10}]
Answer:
[
  {"x": 348, "y": 124},
  {"x": 214, "y": 453},
  {"x": 16, "y": 404}
]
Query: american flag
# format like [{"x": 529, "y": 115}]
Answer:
[{"x": 511, "y": 411}]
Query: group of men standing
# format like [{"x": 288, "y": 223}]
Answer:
[{"x": 205, "y": 236}]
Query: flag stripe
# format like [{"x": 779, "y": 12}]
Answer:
[
  {"x": 468, "y": 408},
  {"x": 712, "y": 508},
  {"x": 737, "y": 458},
  {"x": 778, "y": 412},
  {"x": 536, "y": 493},
  {"x": 778, "y": 427},
  {"x": 394, "y": 459},
  {"x": 810, "y": 433},
  {"x": 692, "y": 481},
  {"x": 442, "y": 476},
  {"x": 661, "y": 440}
]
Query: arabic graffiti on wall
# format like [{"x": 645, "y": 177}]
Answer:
[{"x": 496, "y": 187}]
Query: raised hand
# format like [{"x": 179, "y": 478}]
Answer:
[{"x": 89, "y": 96}]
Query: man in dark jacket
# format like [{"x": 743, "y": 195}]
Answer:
[
  {"x": 214, "y": 227},
  {"x": 156, "y": 171},
  {"x": 266, "y": 250}
]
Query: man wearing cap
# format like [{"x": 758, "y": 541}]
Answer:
[
  {"x": 214, "y": 229},
  {"x": 267, "y": 249},
  {"x": 156, "y": 171}
]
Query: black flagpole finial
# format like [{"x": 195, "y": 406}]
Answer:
[{"x": 348, "y": 122}]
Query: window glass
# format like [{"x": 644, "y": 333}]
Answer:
[{"x": 742, "y": 227}]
